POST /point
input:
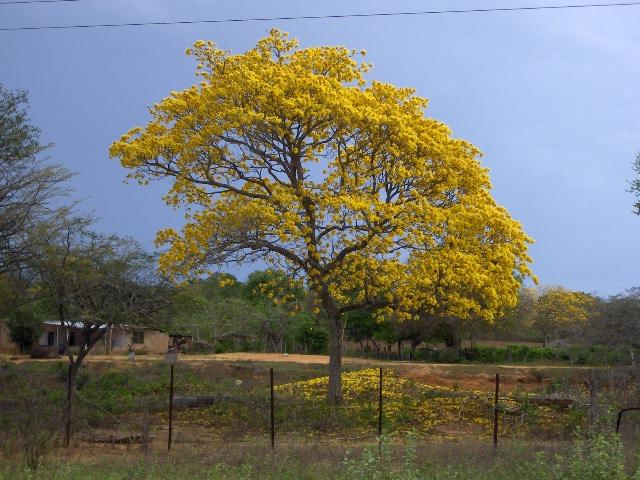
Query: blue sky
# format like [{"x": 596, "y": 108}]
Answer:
[{"x": 551, "y": 97}]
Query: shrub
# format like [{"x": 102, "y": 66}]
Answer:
[
  {"x": 29, "y": 422},
  {"x": 445, "y": 355},
  {"x": 311, "y": 334},
  {"x": 199, "y": 347},
  {"x": 598, "y": 458},
  {"x": 511, "y": 353}
]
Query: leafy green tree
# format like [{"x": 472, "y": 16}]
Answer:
[
  {"x": 361, "y": 326},
  {"x": 29, "y": 186},
  {"x": 187, "y": 305},
  {"x": 25, "y": 327},
  {"x": 94, "y": 281},
  {"x": 213, "y": 309},
  {"x": 276, "y": 298},
  {"x": 412, "y": 331},
  {"x": 311, "y": 333}
]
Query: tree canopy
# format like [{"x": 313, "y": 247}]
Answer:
[
  {"x": 292, "y": 157},
  {"x": 558, "y": 309},
  {"x": 28, "y": 185}
]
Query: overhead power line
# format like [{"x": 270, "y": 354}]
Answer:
[
  {"x": 25, "y": 2},
  {"x": 323, "y": 17}
]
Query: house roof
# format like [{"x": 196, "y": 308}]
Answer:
[
  {"x": 79, "y": 324},
  {"x": 74, "y": 324}
]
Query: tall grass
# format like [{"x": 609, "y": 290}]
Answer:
[{"x": 600, "y": 457}]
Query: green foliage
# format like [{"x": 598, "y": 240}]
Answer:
[
  {"x": 24, "y": 327},
  {"x": 28, "y": 185},
  {"x": 311, "y": 333},
  {"x": 360, "y": 325},
  {"x": 272, "y": 286},
  {"x": 512, "y": 353},
  {"x": 439, "y": 355},
  {"x": 265, "y": 312},
  {"x": 597, "y": 459}
]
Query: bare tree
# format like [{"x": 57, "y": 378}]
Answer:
[
  {"x": 635, "y": 184},
  {"x": 618, "y": 324}
]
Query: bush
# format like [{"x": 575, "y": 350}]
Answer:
[
  {"x": 29, "y": 422},
  {"x": 445, "y": 355},
  {"x": 311, "y": 334},
  {"x": 224, "y": 346},
  {"x": 24, "y": 328},
  {"x": 512, "y": 353},
  {"x": 598, "y": 458}
]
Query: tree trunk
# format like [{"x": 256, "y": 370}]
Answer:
[
  {"x": 89, "y": 340},
  {"x": 335, "y": 359},
  {"x": 399, "y": 349},
  {"x": 71, "y": 385}
]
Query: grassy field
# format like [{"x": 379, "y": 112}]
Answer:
[
  {"x": 441, "y": 413},
  {"x": 601, "y": 458}
]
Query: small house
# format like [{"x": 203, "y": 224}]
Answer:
[{"x": 116, "y": 339}]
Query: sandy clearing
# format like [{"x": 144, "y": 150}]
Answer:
[
  {"x": 465, "y": 376},
  {"x": 301, "y": 359}
]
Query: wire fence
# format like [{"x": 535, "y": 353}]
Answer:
[
  {"x": 376, "y": 402},
  {"x": 278, "y": 409}
]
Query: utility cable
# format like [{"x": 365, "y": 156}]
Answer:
[{"x": 321, "y": 17}]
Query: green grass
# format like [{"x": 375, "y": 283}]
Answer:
[
  {"x": 599, "y": 458},
  {"x": 113, "y": 395}
]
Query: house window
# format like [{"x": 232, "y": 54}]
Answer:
[
  {"x": 72, "y": 339},
  {"x": 137, "y": 336},
  {"x": 51, "y": 338}
]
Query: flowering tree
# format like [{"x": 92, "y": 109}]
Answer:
[
  {"x": 289, "y": 156},
  {"x": 558, "y": 309}
]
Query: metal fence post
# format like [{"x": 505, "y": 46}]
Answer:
[
  {"x": 495, "y": 412},
  {"x": 593, "y": 399},
  {"x": 273, "y": 423},
  {"x": 380, "y": 411},
  {"x": 619, "y": 419},
  {"x": 170, "y": 409}
]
